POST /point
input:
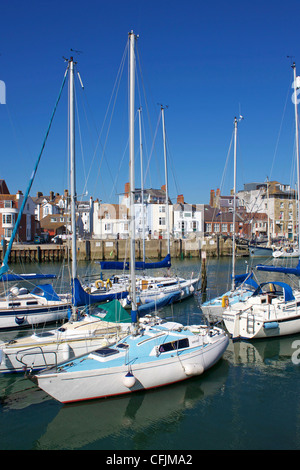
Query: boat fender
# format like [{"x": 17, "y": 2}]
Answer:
[
  {"x": 99, "y": 283},
  {"x": 66, "y": 352},
  {"x": 271, "y": 325},
  {"x": 193, "y": 369},
  {"x": 108, "y": 284},
  {"x": 225, "y": 301},
  {"x": 19, "y": 320},
  {"x": 192, "y": 289},
  {"x": 129, "y": 380}
]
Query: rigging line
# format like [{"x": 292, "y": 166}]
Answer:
[
  {"x": 149, "y": 159},
  {"x": 99, "y": 134},
  {"x": 172, "y": 164},
  {"x": 80, "y": 139},
  {"x": 116, "y": 86},
  {"x": 4, "y": 267},
  {"x": 146, "y": 101},
  {"x": 280, "y": 128}
]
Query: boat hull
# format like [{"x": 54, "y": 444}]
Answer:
[
  {"x": 68, "y": 387},
  {"x": 254, "y": 327},
  {"x": 259, "y": 251},
  {"x": 24, "y": 318}
]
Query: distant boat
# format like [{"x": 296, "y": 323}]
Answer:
[
  {"x": 286, "y": 252},
  {"x": 242, "y": 285},
  {"x": 273, "y": 309},
  {"x": 260, "y": 251}
]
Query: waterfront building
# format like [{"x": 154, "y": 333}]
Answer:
[
  {"x": 278, "y": 201},
  {"x": 9, "y": 209},
  {"x": 188, "y": 218}
]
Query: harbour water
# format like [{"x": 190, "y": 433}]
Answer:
[{"x": 249, "y": 400}]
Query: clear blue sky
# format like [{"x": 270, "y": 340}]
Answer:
[{"x": 208, "y": 61}]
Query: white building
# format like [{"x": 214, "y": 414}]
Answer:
[{"x": 188, "y": 218}]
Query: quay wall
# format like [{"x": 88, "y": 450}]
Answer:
[{"x": 119, "y": 250}]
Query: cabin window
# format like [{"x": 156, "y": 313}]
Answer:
[
  {"x": 105, "y": 352},
  {"x": 174, "y": 345}
]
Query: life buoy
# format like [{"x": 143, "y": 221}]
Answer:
[
  {"x": 99, "y": 283},
  {"x": 225, "y": 301}
]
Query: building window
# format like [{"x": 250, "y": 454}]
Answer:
[
  {"x": 208, "y": 228},
  {"x": 224, "y": 227},
  {"x": 231, "y": 228},
  {"x": 7, "y": 204},
  {"x": 161, "y": 221},
  {"x": 162, "y": 209},
  {"x": 7, "y": 219},
  {"x": 217, "y": 227}
]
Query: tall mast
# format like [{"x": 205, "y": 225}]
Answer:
[
  {"x": 234, "y": 205},
  {"x": 142, "y": 181},
  {"x": 72, "y": 174},
  {"x": 166, "y": 177},
  {"x": 132, "y": 39},
  {"x": 297, "y": 149}
]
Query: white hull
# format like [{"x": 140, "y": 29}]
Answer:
[
  {"x": 66, "y": 386},
  {"x": 35, "y": 356},
  {"x": 16, "y": 319},
  {"x": 263, "y": 321},
  {"x": 286, "y": 254}
]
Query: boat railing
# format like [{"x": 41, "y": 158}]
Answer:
[{"x": 34, "y": 351}]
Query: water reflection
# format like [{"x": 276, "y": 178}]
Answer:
[{"x": 80, "y": 425}]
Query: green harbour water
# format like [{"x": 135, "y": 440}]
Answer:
[{"x": 248, "y": 401}]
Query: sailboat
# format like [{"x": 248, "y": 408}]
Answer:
[
  {"x": 88, "y": 328},
  {"x": 153, "y": 288},
  {"x": 150, "y": 356},
  {"x": 19, "y": 307},
  {"x": 242, "y": 286},
  {"x": 273, "y": 309}
]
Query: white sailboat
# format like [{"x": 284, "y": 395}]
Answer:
[
  {"x": 242, "y": 286},
  {"x": 20, "y": 307},
  {"x": 274, "y": 309},
  {"x": 151, "y": 356}
]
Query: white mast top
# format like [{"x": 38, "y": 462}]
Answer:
[
  {"x": 297, "y": 149},
  {"x": 234, "y": 205},
  {"x": 132, "y": 39},
  {"x": 72, "y": 173},
  {"x": 166, "y": 177}
]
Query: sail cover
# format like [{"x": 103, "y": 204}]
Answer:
[
  {"x": 80, "y": 297},
  {"x": 279, "y": 269},
  {"x": 125, "y": 265}
]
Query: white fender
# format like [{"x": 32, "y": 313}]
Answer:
[
  {"x": 129, "y": 380},
  {"x": 193, "y": 369}
]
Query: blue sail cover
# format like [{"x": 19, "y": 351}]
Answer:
[
  {"x": 125, "y": 265},
  {"x": 159, "y": 303},
  {"x": 287, "y": 290},
  {"x": 279, "y": 269},
  {"x": 25, "y": 277},
  {"x": 47, "y": 291},
  {"x": 246, "y": 279},
  {"x": 81, "y": 298}
]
